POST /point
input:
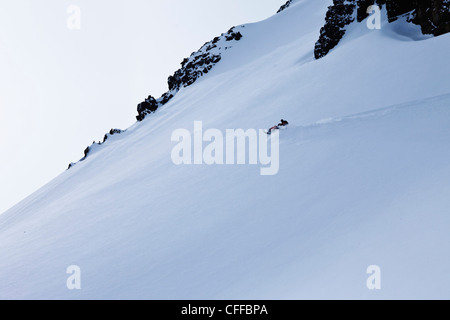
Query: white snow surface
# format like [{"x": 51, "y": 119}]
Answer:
[{"x": 364, "y": 180}]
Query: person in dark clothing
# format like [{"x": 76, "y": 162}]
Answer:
[{"x": 283, "y": 123}]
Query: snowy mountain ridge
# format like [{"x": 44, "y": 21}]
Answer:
[
  {"x": 363, "y": 180},
  {"x": 339, "y": 16}
]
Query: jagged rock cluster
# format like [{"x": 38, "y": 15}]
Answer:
[
  {"x": 89, "y": 149},
  {"x": 111, "y": 133},
  {"x": 339, "y": 15},
  {"x": 432, "y": 15},
  {"x": 192, "y": 68},
  {"x": 285, "y": 6}
]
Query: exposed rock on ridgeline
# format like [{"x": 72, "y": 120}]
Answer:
[
  {"x": 94, "y": 144},
  {"x": 433, "y": 16},
  {"x": 285, "y": 6},
  {"x": 198, "y": 64},
  {"x": 339, "y": 15},
  {"x": 363, "y": 5},
  {"x": 192, "y": 68}
]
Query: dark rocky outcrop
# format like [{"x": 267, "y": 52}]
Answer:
[
  {"x": 111, "y": 133},
  {"x": 192, "y": 68},
  {"x": 363, "y": 5},
  {"x": 148, "y": 106},
  {"x": 88, "y": 150},
  {"x": 285, "y": 6},
  {"x": 432, "y": 15},
  {"x": 339, "y": 15},
  {"x": 398, "y": 7}
]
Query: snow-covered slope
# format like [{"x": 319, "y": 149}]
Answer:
[{"x": 364, "y": 180}]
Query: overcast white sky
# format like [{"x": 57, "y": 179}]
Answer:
[{"x": 60, "y": 89}]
